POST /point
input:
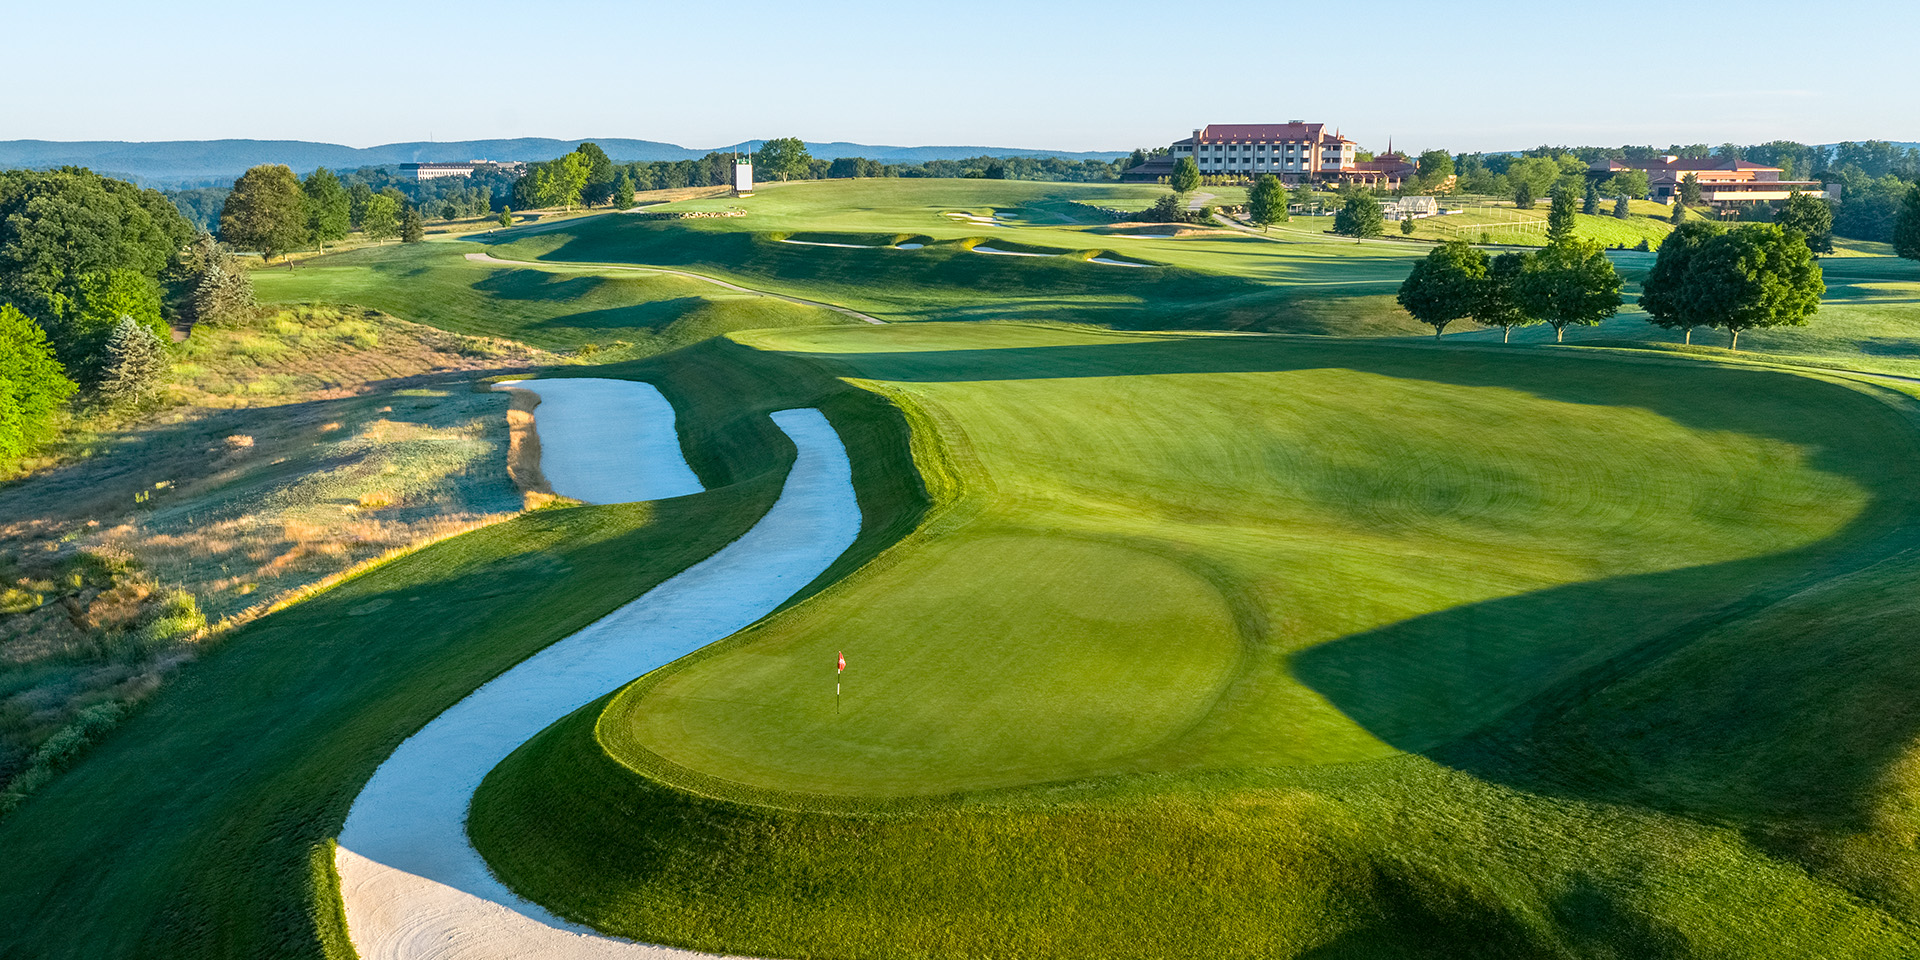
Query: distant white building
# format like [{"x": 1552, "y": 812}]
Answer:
[{"x": 436, "y": 171}]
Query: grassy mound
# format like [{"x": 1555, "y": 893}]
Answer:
[{"x": 1230, "y": 647}]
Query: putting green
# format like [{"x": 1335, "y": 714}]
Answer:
[{"x": 1146, "y": 535}]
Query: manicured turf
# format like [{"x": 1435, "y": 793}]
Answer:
[
  {"x": 201, "y": 827},
  {"x": 624, "y": 313},
  {"x": 1244, "y": 647}
]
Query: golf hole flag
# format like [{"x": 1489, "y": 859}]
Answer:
[
  {"x": 842, "y": 667},
  {"x": 839, "y": 667}
]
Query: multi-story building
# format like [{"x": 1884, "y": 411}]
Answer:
[
  {"x": 1722, "y": 182},
  {"x": 1295, "y": 151},
  {"x": 435, "y": 171}
]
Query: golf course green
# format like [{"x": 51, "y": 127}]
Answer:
[{"x": 1269, "y": 630}]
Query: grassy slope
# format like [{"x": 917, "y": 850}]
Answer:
[
  {"x": 1227, "y": 282},
  {"x": 252, "y": 756},
  {"x": 1346, "y": 607},
  {"x": 554, "y": 307}
]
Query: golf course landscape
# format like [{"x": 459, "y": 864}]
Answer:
[{"x": 1201, "y": 603}]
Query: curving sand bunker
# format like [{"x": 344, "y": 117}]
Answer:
[{"x": 413, "y": 886}]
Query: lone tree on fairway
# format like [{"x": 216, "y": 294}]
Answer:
[
  {"x": 32, "y": 386},
  {"x": 784, "y": 157},
  {"x": 1560, "y": 220},
  {"x": 1267, "y": 202},
  {"x": 1445, "y": 286},
  {"x": 1622, "y": 209},
  {"x": 1756, "y": 276},
  {"x": 1499, "y": 300},
  {"x": 411, "y": 229},
  {"x": 1569, "y": 283},
  {"x": 1186, "y": 176},
  {"x": 623, "y": 192},
  {"x": 1906, "y": 226},
  {"x": 1591, "y": 204},
  {"x": 506, "y": 216},
  {"x": 1359, "y": 216},
  {"x": 1811, "y": 218},
  {"x": 329, "y": 211},
  {"x": 266, "y": 212},
  {"x": 1523, "y": 196},
  {"x": 1665, "y": 295}
]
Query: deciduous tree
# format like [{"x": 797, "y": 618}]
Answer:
[
  {"x": 1267, "y": 201},
  {"x": 381, "y": 218},
  {"x": 329, "y": 209},
  {"x": 33, "y": 386},
  {"x": 1811, "y": 218},
  {"x": 1906, "y": 226},
  {"x": 1186, "y": 175},
  {"x": 266, "y": 212},
  {"x": 1523, "y": 195},
  {"x": 598, "y": 187},
  {"x": 1569, "y": 283},
  {"x": 1359, "y": 216},
  {"x": 1665, "y": 293},
  {"x": 784, "y": 157},
  {"x": 1498, "y": 304},
  {"x": 1755, "y": 276},
  {"x": 1446, "y": 285}
]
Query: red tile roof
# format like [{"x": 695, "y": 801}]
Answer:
[{"x": 1215, "y": 132}]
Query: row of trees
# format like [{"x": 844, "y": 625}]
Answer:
[
  {"x": 272, "y": 212},
  {"x": 1705, "y": 276}
]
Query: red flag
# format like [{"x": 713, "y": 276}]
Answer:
[{"x": 843, "y": 664}]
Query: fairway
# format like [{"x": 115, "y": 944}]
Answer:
[{"x": 1274, "y": 593}]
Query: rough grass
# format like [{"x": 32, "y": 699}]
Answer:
[{"x": 1159, "y": 678}]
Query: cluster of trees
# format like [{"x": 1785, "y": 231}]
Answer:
[
  {"x": 1568, "y": 283},
  {"x": 1707, "y": 275},
  {"x": 272, "y": 212},
  {"x": 93, "y": 272}
]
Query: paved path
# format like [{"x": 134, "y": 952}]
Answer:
[
  {"x": 857, "y": 315},
  {"x": 412, "y": 885}
]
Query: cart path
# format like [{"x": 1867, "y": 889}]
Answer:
[{"x": 412, "y": 884}]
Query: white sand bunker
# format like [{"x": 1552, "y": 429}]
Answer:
[
  {"x": 412, "y": 884},
  {"x": 601, "y": 441},
  {"x": 1010, "y": 253},
  {"x": 1109, "y": 261},
  {"x": 908, "y": 246},
  {"x": 823, "y": 243},
  {"x": 973, "y": 218}
]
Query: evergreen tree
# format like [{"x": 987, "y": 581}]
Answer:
[
  {"x": 412, "y": 230},
  {"x": 1810, "y": 217},
  {"x": 1591, "y": 206},
  {"x": 221, "y": 290},
  {"x": 1406, "y": 226},
  {"x": 1906, "y": 226},
  {"x": 266, "y": 212},
  {"x": 506, "y": 216},
  {"x": 623, "y": 192},
  {"x": 1523, "y": 195},
  {"x": 33, "y": 387},
  {"x": 1360, "y": 216},
  {"x": 136, "y": 363},
  {"x": 329, "y": 209},
  {"x": 1690, "y": 189},
  {"x": 1622, "y": 208},
  {"x": 1679, "y": 215},
  {"x": 1561, "y": 222}
]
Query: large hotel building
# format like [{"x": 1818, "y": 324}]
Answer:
[{"x": 1296, "y": 152}]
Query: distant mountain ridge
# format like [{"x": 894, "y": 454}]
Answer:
[{"x": 178, "y": 162}]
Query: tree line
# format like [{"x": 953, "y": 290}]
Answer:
[
  {"x": 1707, "y": 275},
  {"x": 94, "y": 275}
]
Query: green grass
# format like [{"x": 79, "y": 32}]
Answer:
[
  {"x": 1229, "y": 646},
  {"x": 202, "y": 827},
  {"x": 625, "y": 313}
]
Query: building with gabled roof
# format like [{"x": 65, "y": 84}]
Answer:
[{"x": 1723, "y": 182}]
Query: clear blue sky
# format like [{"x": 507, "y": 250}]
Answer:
[{"x": 1465, "y": 75}]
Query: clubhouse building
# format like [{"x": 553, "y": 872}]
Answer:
[
  {"x": 1723, "y": 183},
  {"x": 1296, "y": 152}
]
